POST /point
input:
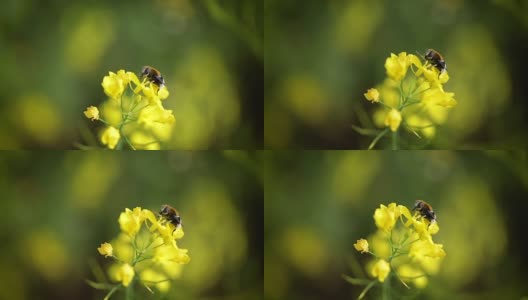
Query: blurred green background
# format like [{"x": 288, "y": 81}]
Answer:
[
  {"x": 317, "y": 204},
  {"x": 54, "y": 55},
  {"x": 321, "y": 56},
  {"x": 60, "y": 206}
]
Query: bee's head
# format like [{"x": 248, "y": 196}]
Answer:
[
  {"x": 164, "y": 210},
  {"x": 418, "y": 204},
  {"x": 145, "y": 70},
  {"x": 429, "y": 54}
]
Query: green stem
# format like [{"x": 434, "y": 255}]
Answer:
[
  {"x": 112, "y": 291},
  {"x": 395, "y": 140},
  {"x": 386, "y": 289},
  {"x": 377, "y": 138},
  {"x": 402, "y": 99},
  {"x": 129, "y": 293},
  {"x": 366, "y": 289}
]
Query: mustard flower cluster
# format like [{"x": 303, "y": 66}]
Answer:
[
  {"x": 402, "y": 248},
  {"x": 145, "y": 252},
  {"x": 136, "y": 119},
  {"x": 412, "y": 96}
]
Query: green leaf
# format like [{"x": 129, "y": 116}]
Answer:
[
  {"x": 356, "y": 281},
  {"x": 101, "y": 286},
  {"x": 365, "y": 131}
]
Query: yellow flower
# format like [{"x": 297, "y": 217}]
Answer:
[
  {"x": 170, "y": 253},
  {"x": 113, "y": 84},
  {"x": 372, "y": 95},
  {"x": 415, "y": 60},
  {"x": 409, "y": 273},
  {"x": 155, "y": 115},
  {"x": 163, "y": 93},
  {"x": 130, "y": 220},
  {"x": 444, "y": 77},
  {"x": 397, "y": 66},
  {"x": 106, "y": 249},
  {"x": 110, "y": 137},
  {"x": 362, "y": 246},
  {"x": 157, "y": 279},
  {"x": 386, "y": 216},
  {"x": 131, "y": 77},
  {"x": 381, "y": 270},
  {"x": 151, "y": 94},
  {"x": 393, "y": 120},
  {"x": 426, "y": 248},
  {"x": 125, "y": 274},
  {"x": 437, "y": 96},
  {"x": 92, "y": 113},
  {"x": 433, "y": 228}
]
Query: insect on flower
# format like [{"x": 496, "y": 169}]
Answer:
[
  {"x": 436, "y": 59},
  {"x": 171, "y": 215},
  {"x": 153, "y": 75},
  {"x": 425, "y": 210}
]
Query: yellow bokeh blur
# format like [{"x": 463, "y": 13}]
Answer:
[
  {"x": 38, "y": 117},
  {"x": 204, "y": 100}
]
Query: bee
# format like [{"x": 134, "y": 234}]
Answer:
[
  {"x": 170, "y": 214},
  {"x": 425, "y": 210},
  {"x": 436, "y": 59},
  {"x": 153, "y": 75}
]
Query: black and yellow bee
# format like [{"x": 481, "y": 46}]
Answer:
[
  {"x": 153, "y": 75},
  {"x": 436, "y": 59},
  {"x": 425, "y": 210},
  {"x": 171, "y": 215}
]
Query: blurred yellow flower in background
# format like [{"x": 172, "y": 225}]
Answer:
[
  {"x": 426, "y": 248},
  {"x": 110, "y": 137},
  {"x": 393, "y": 120},
  {"x": 381, "y": 270},
  {"x": 125, "y": 274}
]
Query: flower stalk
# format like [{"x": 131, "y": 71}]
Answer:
[
  {"x": 413, "y": 95},
  {"x": 145, "y": 252},
  {"x": 402, "y": 248},
  {"x": 133, "y": 115}
]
